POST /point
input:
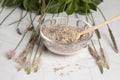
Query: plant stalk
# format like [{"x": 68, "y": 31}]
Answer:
[
  {"x": 19, "y": 19},
  {"x": 110, "y": 32},
  {"x": 24, "y": 35},
  {"x": 7, "y": 16},
  {"x": 1, "y": 10}
]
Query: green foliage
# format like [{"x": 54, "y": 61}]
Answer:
[
  {"x": 31, "y": 5},
  {"x": 56, "y": 6},
  {"x": 26, "y": 4},
  {"x": 11, "y": 3},
  {"x": 71, "y": 7},
  {"x": 87, "y": 1}
]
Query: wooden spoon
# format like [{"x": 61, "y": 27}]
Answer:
[{"x": 98, "y": 26}]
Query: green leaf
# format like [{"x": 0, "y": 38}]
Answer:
[
  {"x": 40, "y": 1},
  {"x": 26, "y": 4},
  {"x": 56, "y": 6},
  {"x": 71, "y": 8},
  {"x": 68, "y": 1},
  {"x": 12, "y": 3},
  {"x": 96, "y": 2},
  {"x": 61, "y": 1},
  {"x": 0, "y": 1},
  {"x": 87, "y": 1},
  {"x": 4, "y": 3},
  {"x": 82, "y": 10},
  {"x": 53, "y": 8},
  {"x": 34, "y": 5},
  {"x": 92, "y": 7}
]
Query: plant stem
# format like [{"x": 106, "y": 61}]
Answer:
[
  {"x": 97, "y": 58},
  {"x": 97, "y": 31},
  {"x": 91, "y": 40},
  {"x": 86, "y": 12},
  {"x": 93, "y": 53},
  {"x": 76, "y": 15},
  {"x": 1, "y": 10},
  {"x": 30, "y": 56},
  {"x": 21, "y": 40},
  {"x": 49, "y": 3},
  {"x": 102, "y": 15},
  {"x": 93, "y": 21},
  {"x": 110, "y": 32},
  {"x": 0, "y": 1},
  {"x": 31, "y": 19},
  {"x": 103, "y": 61},
  {"x": 42, "y": 49},
  {"x": 19, "y": 19},
  {"x": 7, "y": 16},
  {"x": 24, "y": 35},
  {"x": 41, "y": 19},
  {"x": 18, "y": 30},
  {"x": 36, "y": 51},
  {"x": 64, "y": 6},
  {"x": 94, "y": 46}
]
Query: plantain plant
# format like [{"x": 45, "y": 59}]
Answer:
[{"x": 41, "y": 7}]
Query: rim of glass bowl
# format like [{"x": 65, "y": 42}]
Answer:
[{"x": 49, "y": 40}]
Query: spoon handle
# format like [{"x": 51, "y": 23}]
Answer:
[{"x": 98, "y": 26}]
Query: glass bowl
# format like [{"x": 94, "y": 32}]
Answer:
[{"x": 65, "y": 49}]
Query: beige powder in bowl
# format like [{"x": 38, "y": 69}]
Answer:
[
  {"x": 63, "y": 33},
  {"x": 59, "y": 35}
]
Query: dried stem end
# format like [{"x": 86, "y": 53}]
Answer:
[
  {"x": 113, "y": 40},
  {"x": 100, "y": 65},
  {"x": 105, "y": 63},
  {"x": 97, "y": 58}
]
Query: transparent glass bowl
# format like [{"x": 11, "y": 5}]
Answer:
[{"x": 65, "y": 49}]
